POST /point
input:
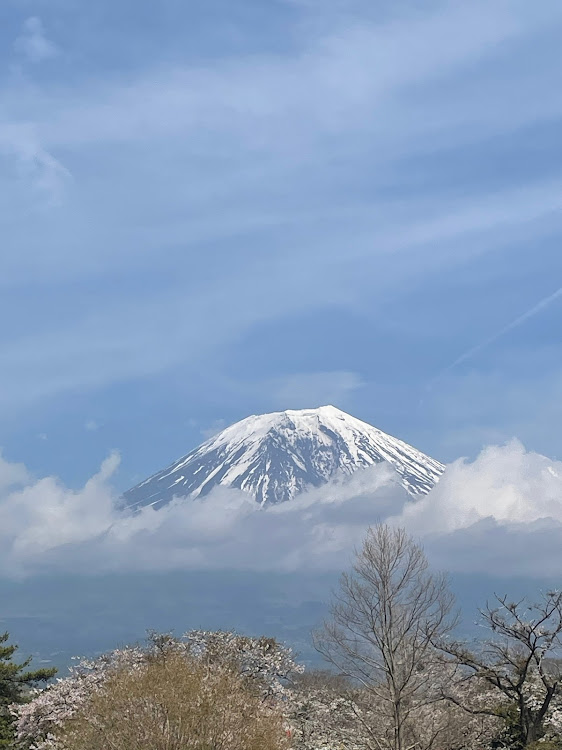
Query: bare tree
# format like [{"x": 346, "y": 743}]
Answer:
[
  {"x": 519, "y": 661},
  {"x": 385, "y": 617}
]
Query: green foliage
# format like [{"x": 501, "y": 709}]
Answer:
[
  {"x": 510, "y": 736},
  {"x": 15, "y": 683}
]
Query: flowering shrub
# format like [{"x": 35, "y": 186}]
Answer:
[
  {"x": 233, "y": 692},
  {"x": 140, "y": 687}
]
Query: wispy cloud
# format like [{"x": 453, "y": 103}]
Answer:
[
  {"x": 33, "y": 44},
  {"x": 332, "y": 84},
  {"x": 35, "y": 166},
  {"x": 226, "y": 195},
  {"x": 20, "y": 142},
  {"x": 127, "y": 338}
]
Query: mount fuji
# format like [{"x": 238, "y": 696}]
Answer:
[{"x": 274, "y": 457}]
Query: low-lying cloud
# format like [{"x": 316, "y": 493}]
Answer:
[{"x": 501, "y": 512}]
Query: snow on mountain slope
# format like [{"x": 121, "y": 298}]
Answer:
[{"x": 275, "y": 456}]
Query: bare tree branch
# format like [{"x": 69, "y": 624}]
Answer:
[
  {"x": 384, "y": 620},
  {"x": 514, "y": 660}
]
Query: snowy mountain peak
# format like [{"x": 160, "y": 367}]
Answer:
[{"x": 275, "y": 456}]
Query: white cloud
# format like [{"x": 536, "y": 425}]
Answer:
[
  {"x": 46, "y": 525},
  {"x": 33, "y": 44},
  {"x": 502, "y": 512},
  {"x": 45, "y": 515},
  {"x": 505, "y": 483},
  {"x": 12, "y": 475}
]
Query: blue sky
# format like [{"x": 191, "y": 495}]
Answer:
[{"x": 216, "y": 209}]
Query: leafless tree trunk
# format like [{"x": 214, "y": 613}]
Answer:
[
  {"x": 518, "y": 661},
  {"x": 385, "y": 617}
]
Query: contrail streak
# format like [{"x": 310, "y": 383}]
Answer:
[{"x": 506, "y": 329}]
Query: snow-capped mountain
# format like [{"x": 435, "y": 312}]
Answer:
[{"x": 275, "y": 456}]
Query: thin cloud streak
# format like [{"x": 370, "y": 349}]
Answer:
[{"x": 535, "y": 310}]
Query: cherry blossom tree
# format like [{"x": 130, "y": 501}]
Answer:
[
  {"x": 261, "y": 666},
  {"x": 518, "y": 663}
]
